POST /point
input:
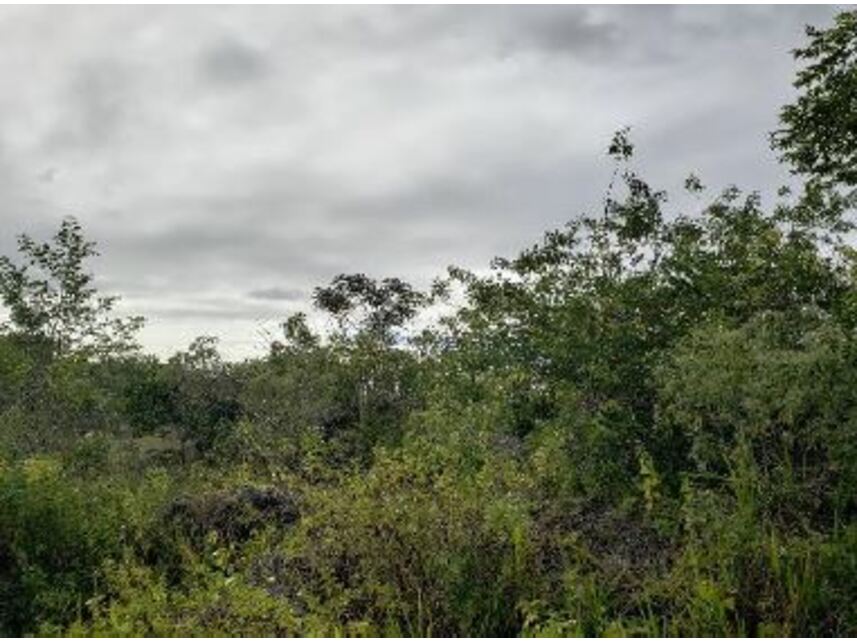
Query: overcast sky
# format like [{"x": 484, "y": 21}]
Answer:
[{"x": 229, "y": 159}]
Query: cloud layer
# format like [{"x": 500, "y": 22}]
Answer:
[{"x": 229, "y": 159}]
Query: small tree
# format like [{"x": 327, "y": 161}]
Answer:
[
  {"x": 360, "y": 304},
  {"x": 51, "y": 299}
]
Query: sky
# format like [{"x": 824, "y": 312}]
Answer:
[{"x": 227, "y": 160}]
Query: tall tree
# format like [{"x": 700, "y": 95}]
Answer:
[
  {"x": 50, "y": 297},
  {"x": 361, "y": 304}
]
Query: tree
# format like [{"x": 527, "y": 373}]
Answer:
[
  {"x": 51, "y": 298},
  {"x": 819, "y": 130},
  {"x": 204, "y": 391},
  {"x": 359, "y": 303}
]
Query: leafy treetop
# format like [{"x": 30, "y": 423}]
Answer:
[
  {"x": 51, "y": 298},
  {"x": 819, "y": 130}
]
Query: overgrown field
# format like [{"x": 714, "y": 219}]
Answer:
[{"x": 646, "y": 424}]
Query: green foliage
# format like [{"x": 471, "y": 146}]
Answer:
[
  {"x": 50, "y": 296},
  {"x": 775, "y": 398},
  {"x": 57, "y": 530},
  {"x": 819, "y": 133},
  {"x": 419, "y": 546},
  {"x": 204, "y": 393},
  {"x": 360, "y": 304},
  {"x": 218, "y": 605}
]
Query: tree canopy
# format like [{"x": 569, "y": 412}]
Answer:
[
  {"x": 818, "y": 136},
  {"x": 50, "y": 296}
]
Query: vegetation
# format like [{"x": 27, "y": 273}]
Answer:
[{"x": 645, "y": 424}]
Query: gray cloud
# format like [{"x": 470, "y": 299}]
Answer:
[
  {"x": 97, "y": 102},
  {"x": 278, "y": 294},
  {"x": 230, "y": 159},
  {"x": 231, "y": 62}
]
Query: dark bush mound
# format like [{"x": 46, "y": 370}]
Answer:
[{"x": 233, "y": 515}]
